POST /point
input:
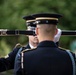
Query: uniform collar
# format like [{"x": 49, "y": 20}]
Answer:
[
  {"x": 47, "y": 44},
  {"x": 31, "y": 46},
  {"x": 28, "y": 46}
]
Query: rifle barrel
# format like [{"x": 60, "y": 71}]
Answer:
[
  {"x": 15, "y": 32},
  {"x": 69, "y": 32},
  {"x": 5, "y": 32}
]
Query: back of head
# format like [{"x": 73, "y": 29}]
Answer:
[
  {"x": 47, "y": 29},
  {"x": 47, "y": 24}
]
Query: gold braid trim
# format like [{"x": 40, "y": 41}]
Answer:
[
  {"x": 22, "y": 55},
  {"x": 63, "y": 48},
  {"x": 30, "y": 20},
  {"x": 28, "y": 50},
  {"x": 18, "y": 45},
  {"x": 43, "y": 18}
]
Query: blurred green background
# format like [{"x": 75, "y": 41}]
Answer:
[{"x": 12, "y": 11}]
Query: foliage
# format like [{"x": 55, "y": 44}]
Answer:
[{"x": 12, "y": 11}]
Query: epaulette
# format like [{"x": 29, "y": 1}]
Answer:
[
  {"x": 63, "y": 48},
  {"x": 18, "y": 45},
  {"x": 25, "y": 50}
]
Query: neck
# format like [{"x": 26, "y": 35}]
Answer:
[
  {"x": 46, "y": 38},
  {"x": 33, "y": 44}
]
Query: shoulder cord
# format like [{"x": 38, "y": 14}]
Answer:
[
  {"x": 72, "y": 59},
  {"x": 22, "y": 66}
]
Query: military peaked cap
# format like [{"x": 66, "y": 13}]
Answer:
[
  {"x": 46, "y": 18},
  {"x": 30, "y": 21}
]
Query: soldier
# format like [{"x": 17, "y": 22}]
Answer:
[
  {"x": 47, "y": 58},
  {"x": 10, "y": 61},
  {"x": 33, "y": 40}
]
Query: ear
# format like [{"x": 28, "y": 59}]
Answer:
[
  {"x": 56, "y": 31},
  {"x": 36, "y": 31}
]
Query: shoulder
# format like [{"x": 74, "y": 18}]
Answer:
[
  {"x": 63, "y": 48},
  {"x": 18, "y": 45},
  {"x": 28, "y": 50},
  {"x": 67, "y": 50},
  {"x": 16, "y": 48}
]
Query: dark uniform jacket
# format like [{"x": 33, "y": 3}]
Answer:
[
  {"x": 46, "y": 59},
  {"x": 7, "y": 63}
]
